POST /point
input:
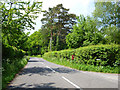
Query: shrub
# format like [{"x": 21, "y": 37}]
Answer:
[
  {"x": 97, "y": 55},
  {"x": 11, "y": 52}
]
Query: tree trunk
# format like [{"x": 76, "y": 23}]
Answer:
[{"x": 51, "y": 42}]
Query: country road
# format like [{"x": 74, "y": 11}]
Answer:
[{"x": 39, "y": 73}]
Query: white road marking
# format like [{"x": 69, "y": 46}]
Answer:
[
  {"x": 64, "y": 78},
  {"x": 70, "y": 82},
  {"x": 50, "y": 69}
]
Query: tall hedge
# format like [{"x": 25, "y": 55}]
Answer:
[{"x": 98, "y": 55}]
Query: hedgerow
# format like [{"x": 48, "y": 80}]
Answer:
[{"x": 96, "y": 55}]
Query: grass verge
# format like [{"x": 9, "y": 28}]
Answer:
[
  {"x": 11, "y": 69},
  {"x": 84, "y": 67}
]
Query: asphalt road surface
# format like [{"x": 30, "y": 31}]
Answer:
[{"x": 39, "y": 73}]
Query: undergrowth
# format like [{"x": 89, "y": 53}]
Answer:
[{"x": 9, "y": 70}]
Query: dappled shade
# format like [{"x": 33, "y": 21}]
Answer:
[{"x": 45, "y": 71}]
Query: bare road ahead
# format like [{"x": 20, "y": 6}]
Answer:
[{"x": 39, "y": 73}]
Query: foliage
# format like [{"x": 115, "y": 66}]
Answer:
[
  {"x": 38, "y": 56},
  {"x": 107, "y": 13},
  {"x": 16, "y": 17},
  {"x": 36, "y": 44},
  {"x": 84, "y": 33},
  {"x": 102, "y": 28},
  {"x": 108, "y": 22},
  {"x": 10, "y": 70},
  {"x": 112, "y": 35},
  {"x": 83, "y": 67},
  {"x": 97, "y": 55},
  {"x": 10, "y": 52},
  {"x": 57, "y": 22}
]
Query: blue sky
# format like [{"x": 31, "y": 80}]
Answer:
[{"x": 85, "y": 7}]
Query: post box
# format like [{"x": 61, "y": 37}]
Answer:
[{"x": 73, "y": 57}]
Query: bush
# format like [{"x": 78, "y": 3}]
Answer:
[
  {"x": 10, "y": 69},
  {"x": 11, "y": 52},
  {"x": 97, "y": 55}
]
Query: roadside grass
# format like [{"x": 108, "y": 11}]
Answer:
[
  {"x": 83, "y": 67},
  {"x": 11, "y": 69}
]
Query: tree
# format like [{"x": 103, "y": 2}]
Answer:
[
  {"x": 107, "y": 14},
  {"x": 36, "y": 44},
  {"x": 59, "y": 22},
  {"x": 84, "y": 33},
  {"x": 16, "y": 17},
  {"x": 76, "y": 38},
  {"x": 112, "y": 35}
]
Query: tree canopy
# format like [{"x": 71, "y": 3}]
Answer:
[
  {"x": 107, "y": 14},
  {"x": 60, "y": 29},
  {"x": 17, "y": 17},
  {"x": 58, "y": 22},
  {"x": 84, "y": 33}
]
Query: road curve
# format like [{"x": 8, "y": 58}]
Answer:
[{"x": 39, "y": 74}]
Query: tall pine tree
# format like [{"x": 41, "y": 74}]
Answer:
[{"x": 59, "y": 22}]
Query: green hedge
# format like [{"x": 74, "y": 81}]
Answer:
[{"x": 97, "y": 55}]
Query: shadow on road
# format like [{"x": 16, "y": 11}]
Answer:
[
  {"x": 64, "y": 70},
  {"x": 35, "y": 61},
  {"x": 42, "y": 86},
  {"x": 45, "y": 71},
  {"x": 36, "y": 70}
]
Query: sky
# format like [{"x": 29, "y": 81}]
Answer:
[{"x": 85, "y": 7}]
